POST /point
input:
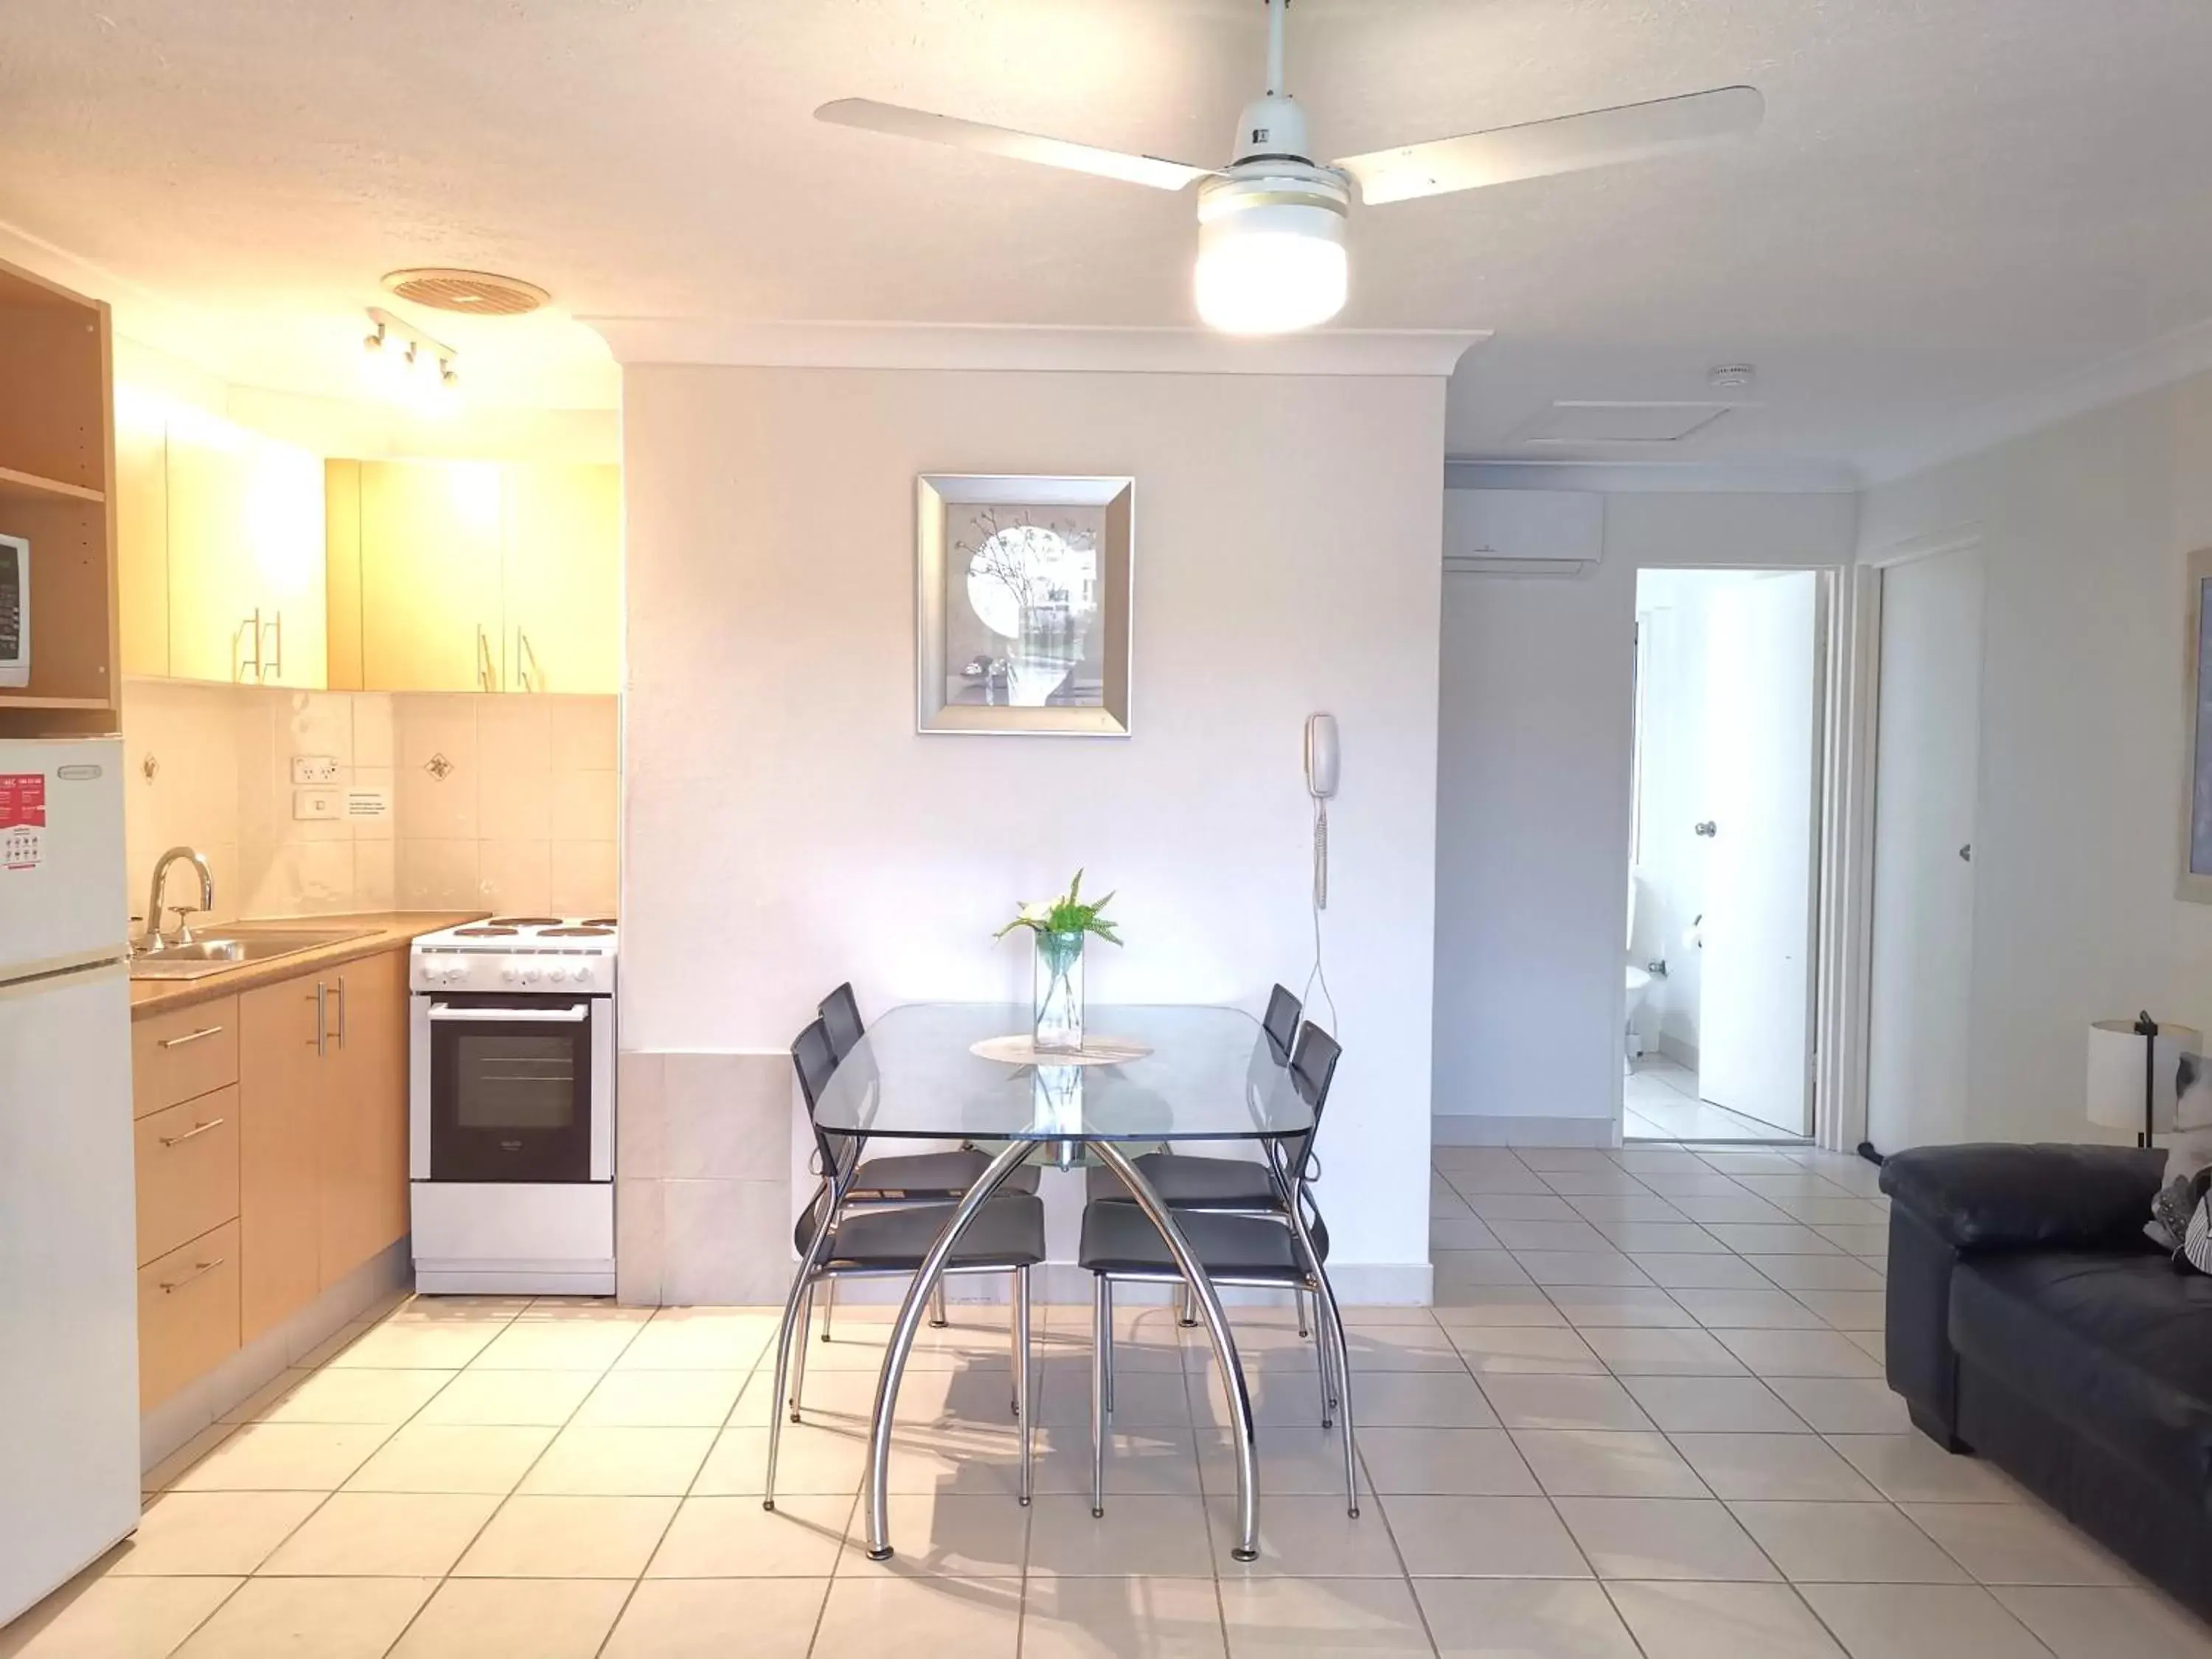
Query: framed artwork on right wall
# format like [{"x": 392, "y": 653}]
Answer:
[{"x": 2195, "y": 882}]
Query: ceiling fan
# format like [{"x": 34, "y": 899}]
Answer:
[{"x": 1271, "y": 224}]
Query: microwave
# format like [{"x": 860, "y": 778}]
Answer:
[{"x": 15, "y": 610}]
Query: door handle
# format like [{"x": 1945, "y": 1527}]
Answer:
[
  {"x": 200, "y": 1270},
  {"x": 252, "y": 626},
  {"x": 342, "y": 1010},
  {"x": 525, "y": 664},
  {"x": 196, "y": 1130},
  {"x": 277, "y": 666},
  {"x": 484, "y": 675},
  {"x": 191, "y": 1036},
  {"x": 1708, "y": 828},
  {"x": 322, "y": 1019},
  {"x": 443, "y": 1012}
]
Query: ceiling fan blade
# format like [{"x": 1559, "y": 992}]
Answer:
[
  {"x": 902, "y": 123},
  {"x": 1567, "y": 143}
]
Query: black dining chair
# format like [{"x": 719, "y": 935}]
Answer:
[
  {"x": 839, "y": 1236},
  {"x": 1203, "y": 1185},
  {"x": 1287, "y": 1251},
  {"x": 907, "y": 1178}
]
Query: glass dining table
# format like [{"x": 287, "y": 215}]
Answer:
[{"x": 1205, "y": 1073}]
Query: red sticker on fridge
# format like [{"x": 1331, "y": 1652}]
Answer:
[
  {"x": 22, "y": 816},
  {"x": 22, "y": 798}
]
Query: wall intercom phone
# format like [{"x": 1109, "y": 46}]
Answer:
[{"x": 1320, "y": 784}]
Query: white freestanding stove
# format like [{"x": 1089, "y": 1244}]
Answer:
[{"x": 512, "y": 1105}]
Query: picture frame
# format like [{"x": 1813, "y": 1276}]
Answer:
[
  {"x": 2194, "y": 881},
  {"x": 1023, "y": 585}
]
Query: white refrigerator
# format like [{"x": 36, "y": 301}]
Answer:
[{"x": 68, "y": 1289}]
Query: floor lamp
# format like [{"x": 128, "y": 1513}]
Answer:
[{"x": 2132, "y": 1064}]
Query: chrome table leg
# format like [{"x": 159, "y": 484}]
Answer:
[
  {"x": 1022, "y": 1374},
  {"x": 1102, "y": 1345},
  {"x": 1225, "y": 1345},
  {"x": 926, "y": 1278}
]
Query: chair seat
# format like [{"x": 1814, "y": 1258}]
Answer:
[
  {"x": 932, "y": 1174},
  {"x": 1006, "y": 1233},
  {"x": 1118, "y": 1239},
  {"x": 1194, "y": 1183}
]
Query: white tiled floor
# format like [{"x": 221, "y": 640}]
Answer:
[
  {"x": 1660, "y": 1102},
  {"x": 1643, "y": 1431}
]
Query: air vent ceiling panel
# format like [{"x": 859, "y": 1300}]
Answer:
[{"x": 472, "y": 293}]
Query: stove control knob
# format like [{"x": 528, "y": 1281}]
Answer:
[
  {"x": 556, "y": 974},
  {"x": 508, "y": 974},
  {"x": 530, "y": 976},
  {"x": 583, "y": 973}
]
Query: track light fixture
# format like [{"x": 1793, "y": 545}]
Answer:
[{"x": 418, "y": 362}]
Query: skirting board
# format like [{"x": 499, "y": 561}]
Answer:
[
  {"x": 1467, "y": 1129},
  {"x": 208, "y": 1399}
]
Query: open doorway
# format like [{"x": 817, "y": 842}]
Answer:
[{"x": 1724, "y": 855}]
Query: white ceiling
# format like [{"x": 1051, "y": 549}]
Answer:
[{"x": 1952, "y": 203}]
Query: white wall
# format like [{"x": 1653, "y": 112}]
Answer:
[
  {"x": 786, "y": 828},
  {"x": 1533, "y": 809},
  {"x": 2085, "y": 527}
]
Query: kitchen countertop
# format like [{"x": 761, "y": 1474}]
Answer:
[{"x": 393, "y": 930}]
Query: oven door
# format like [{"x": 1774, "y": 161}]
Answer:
[{"x": 511, "y": 1088}]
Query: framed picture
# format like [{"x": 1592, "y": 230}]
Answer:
[
  {"x": 1022, "y": 604},
  {"x": 2196, "y": 878}
]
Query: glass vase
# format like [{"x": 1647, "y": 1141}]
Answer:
[{"x": 1058, "y": 993}]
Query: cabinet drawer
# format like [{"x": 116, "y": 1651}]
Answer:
[
  {"x": 187, "y": 1165},
  {"x": 188, "y": 1313},
  {"x": 177, "y": 1056}
]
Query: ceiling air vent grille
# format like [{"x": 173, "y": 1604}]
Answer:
[{"x": 479, "y": 293}]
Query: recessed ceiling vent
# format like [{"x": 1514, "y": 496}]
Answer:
[
  {"x": 476, "y": 293},
  {"x": 1619, "y": 422}
]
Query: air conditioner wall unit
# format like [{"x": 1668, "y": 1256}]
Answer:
[{"x": 1523, "y": 532}]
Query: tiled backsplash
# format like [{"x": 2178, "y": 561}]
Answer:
[{"x": 505, "y": 803}]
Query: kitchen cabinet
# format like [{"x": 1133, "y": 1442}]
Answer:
[
  {"x": 429, "y": 564},
  {"x": 362, "y": 1114},
  {"x": 188, "y": 1313},
  {"x": 283, "y": 1037},
  {"x": 561, "y": 579},
  {"x": 142, "y": 533},
  {"x": 474, "y": 576},
  {"x": 244, "y": 524}
]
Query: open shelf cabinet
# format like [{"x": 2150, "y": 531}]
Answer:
[{"x": 57, "y": 471}]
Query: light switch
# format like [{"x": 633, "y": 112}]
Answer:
[
  {"x": 312, "y": 804},
  {"x": 315, "y": 769}
]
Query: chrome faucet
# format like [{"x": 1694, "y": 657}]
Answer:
[{"x": 151, "y": 941}]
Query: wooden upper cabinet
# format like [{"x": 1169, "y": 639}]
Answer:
[
  {"x": 362, "y": 1126},
  {"x": 245, "y": 556},
  {"x": 142, "y": 533},
  {"x": 430, "y": 564},
  {"x": 280, "y": 1151},
  {"x": 561, "y": 566}
]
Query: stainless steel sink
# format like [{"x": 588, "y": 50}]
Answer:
[{"x": 230, "y": 947}]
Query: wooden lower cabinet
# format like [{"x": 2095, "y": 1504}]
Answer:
[
  {"x": 188, "y": 1313},
  {"x": 187, "y": 1165},
  {"x": 279, "y": 1077},
  {"x": 361, "y": 1117}
]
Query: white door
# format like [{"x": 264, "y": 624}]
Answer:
[
  {"x": 1928, "y": 748},
  {"x": 1762, "y": 736}
]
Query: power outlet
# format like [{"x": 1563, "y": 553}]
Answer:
[
  {"x": 311, "y": 804},
  {"x": 315, "y": 769}
]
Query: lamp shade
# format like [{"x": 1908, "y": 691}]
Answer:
[{"x": 2116, "y": 1072}]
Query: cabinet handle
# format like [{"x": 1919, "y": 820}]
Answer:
[
  {"x": 191, "y": 1036},
  {"x": 342, "y": 1010},
  {"x": 277, "y": 666},
  {"x": 252, "y": 625},
  {"x": 197, "y": 1129},
  {"x": 322, "y": 1019},
  {"x": 483, "y": 661},
  {"x": 200, "y": 1270},
  {"x": 525, "y": 660}
]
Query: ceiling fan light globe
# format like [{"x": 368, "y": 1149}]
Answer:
[{"x": 1271, "y": 256}]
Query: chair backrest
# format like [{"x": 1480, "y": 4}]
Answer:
[
  {"x": 1281, "y": 1024},
  {"x": 813, "y": 1058},
  {"x": 1313, "y": 1067},
  {"x": 840, "y": 1017}
]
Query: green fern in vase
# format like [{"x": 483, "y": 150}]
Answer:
[{"x": 1067, "y": 917}]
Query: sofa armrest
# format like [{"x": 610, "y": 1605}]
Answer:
[{"x": 2006, "y": 1197}]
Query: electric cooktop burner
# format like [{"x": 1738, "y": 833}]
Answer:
[
  {"x": 576, "y": 932},
  {"x": 486, "y": 933},
  {"x": 596, "y": 921},
  {"x": 525, "y": 921}
]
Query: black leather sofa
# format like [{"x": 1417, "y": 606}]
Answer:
[{"x": 2030, "y": 1323}]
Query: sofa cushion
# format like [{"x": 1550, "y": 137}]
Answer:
[{"x": 2117, "y": 1344}]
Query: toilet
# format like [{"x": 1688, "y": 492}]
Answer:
[{"x": 1637, "y": 979}]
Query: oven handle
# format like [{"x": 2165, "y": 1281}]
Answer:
[{"x": 571, "y": 1016}]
